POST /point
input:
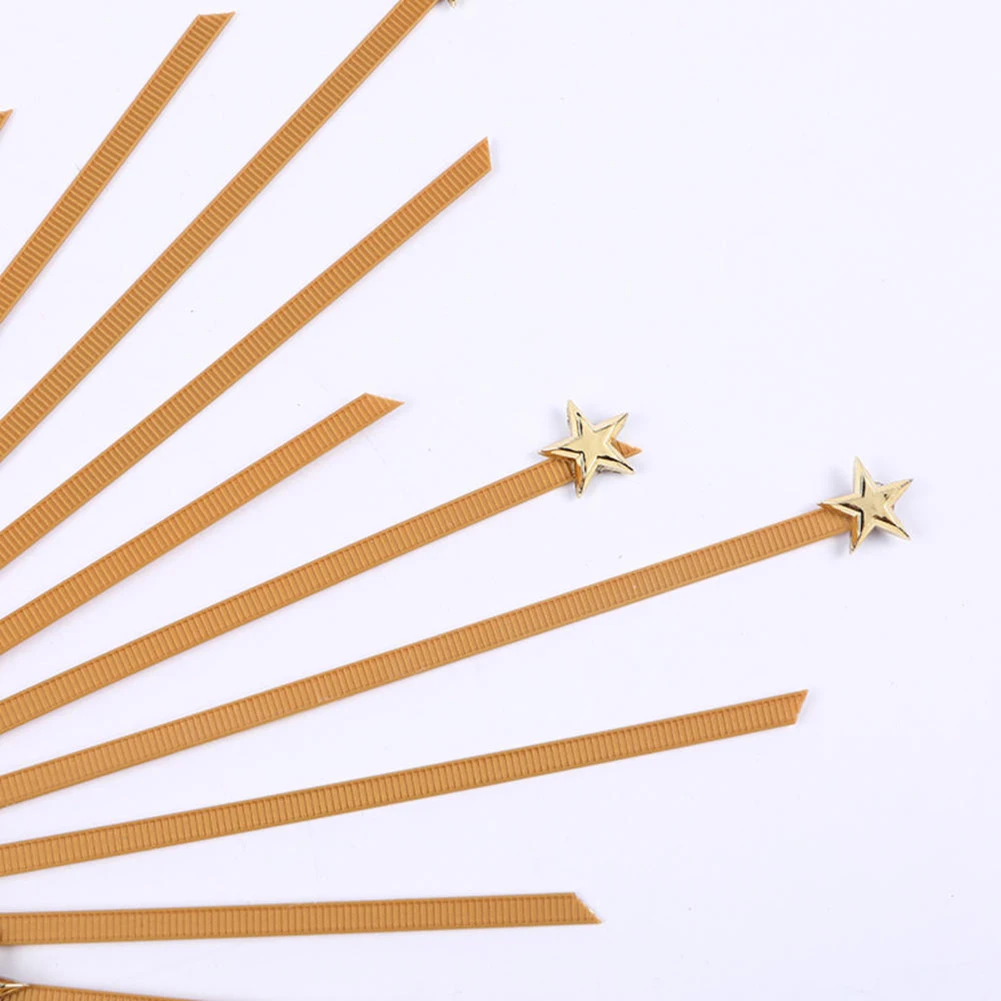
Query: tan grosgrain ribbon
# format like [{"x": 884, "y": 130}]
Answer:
[
  {"x": 404, "y": 662},
  {"x": 40, "y": 992},
  {"x": 106, "y": 162},
  {"x": 191, "y": 519},
  {"x": 399, "y": 787},
  {"x": 223, "y": 373},
  {"x": 279, "y": 592},
  {"x": 326, "y": 918},
  {"x": 161, "y": 275}
]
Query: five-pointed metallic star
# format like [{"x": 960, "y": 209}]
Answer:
[
  {"x": 870, "y": 505},
  {"x": 10, "y": 987},
  {"x": 590, "y": 447}
]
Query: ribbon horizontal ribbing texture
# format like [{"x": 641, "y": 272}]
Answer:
[
  {"x": 227, "y": 370},
  {"x": 399, "y": 787},
  {"x": 190, "y": 520},
  {"x": 40, "y": 992},
  {"x": 272, "y": 595},
  {"x": 408, "y": 661},
  {"x": 117, "y": 147},
  {"x": 164, "y": 272},
  {"x": 264, "y": 920}
]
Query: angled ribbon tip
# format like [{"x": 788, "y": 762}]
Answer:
[
  {"x": 481, "y": 154},
  {"x": 627, "y": 450},
  {"x": 798, "y": 698},
  {"x": 385, "y": 402},
  {"x": 585, "y": 914}
]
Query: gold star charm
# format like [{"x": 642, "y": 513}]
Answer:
[
  {"x": 10, "y": 987},
  {"x": 590, "y": 447},
  {"x": 870, "y": 505}
]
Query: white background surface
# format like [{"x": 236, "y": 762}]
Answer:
[{"x": 770, "y": 232}]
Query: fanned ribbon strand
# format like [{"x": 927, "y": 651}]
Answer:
[
  {"x": 277, "y": 593},
  {"x": 395, "y": 665},
  {"x": 162, "y": 274},
  {"x": 117, "y": 147},
  {"x": 39, "y": 992},
  {"x": 399, "y": 787},
  {"x": 4, "y": 117},
  {"x": 227, "y": 370},
  {"x": 192, "y": 519},
  {"x": 265, "y": 920}
]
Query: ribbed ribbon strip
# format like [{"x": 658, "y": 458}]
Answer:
[
  {"x": 106, "y": 162},
  {"x": 281, "y": 591},
  {"x": 161, "y": 275},
  {"x": 399, "y": 787},
  {"x": 39, "y": 992},
  {"x": 192, "y": 519},
  {"x": 89, "y": 481},
  {"x": 4, "y": 116},
  {"x": 408, "y": 661},
  {"x": 260, "y": 921}
]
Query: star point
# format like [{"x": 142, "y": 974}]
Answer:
[
  {"x": 870, "y": 505},
  {"x": 592, "y": 448}
]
